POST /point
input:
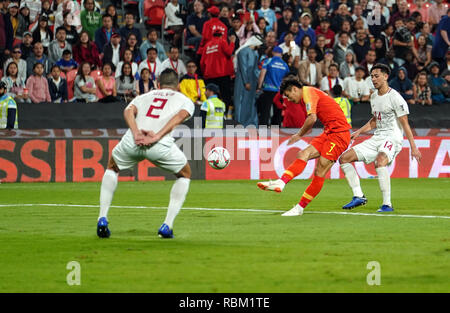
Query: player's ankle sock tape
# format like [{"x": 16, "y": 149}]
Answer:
[
  {"x": 312, "y": 191},
  {"x": 293, "y": 170}
]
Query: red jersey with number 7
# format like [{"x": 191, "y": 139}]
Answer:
[{"x": 326, "y": 108}]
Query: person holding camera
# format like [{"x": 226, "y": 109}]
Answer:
[{"x": 403, "y": 42}]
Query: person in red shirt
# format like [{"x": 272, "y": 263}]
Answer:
[
  {"x": 327, "y": 147},
  {"x": 294, "y": 114},
  {"x": 324, "y": 29},
  {"x": 209, "y": 27}
]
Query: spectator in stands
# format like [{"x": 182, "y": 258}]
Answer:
[
  {"x": 310, "y": 71},
  {"x": 173, "y": 10},
  {"x": 369, "y": 61},
  {"x": 72, "y": 36},
  {"x": 104, "y": 34},
  {"x": 356, "y": 88},
  {"x": 269, "y": 15},
  {"x": 34, "y": 6},
  {"x": 23, "y": 22},
  {"x": 341, "y": 47},
  {"x": 325, "y": 30},
  {"x": 127, "y": 57},
  {"x": 422, "y": 92},
  {"x": 387, "y": 35},
  {"x": 38, "y": 56},
  {"x": 294, "y": 114},
  {"x": 57, "y": 85},
  {"x": 424, "y": 29},
  {"x": 270, "y": 40},
  {"x": 446, "y": 65},
  {"x": 439, "y": 87},
  {"x": 194, "y": 25},
  {"x": 84, "y": 84},
  {"x": 403, "y": 42},
  {"x": 411, "y": 65},
  {"x": 348, "y": 67},
  {"x": 262, "y": 24},
  {"x": 248, "y": 29},
  {"x": 26, "y": 46},
  {"x": 152, "y": 63},
  {"x": 42, "y": 33},
  {"x": 224, "y": 15},
  {"x": 347, "y": 28},
  {"x": 152, "y": 42},
  {"x": 192, "y": 85},
  {"x": 8, "y": 107},
  {"x": 301, "y": 7},
  {"x": 436, "y": 11},
  {"x": 389, "y": 61},
  {"x": 20, "y": 63},
  {"x": 217, "y": 66},
  {"x": 305, "y": 44},
  {"x": 420, "y": 7},
  {"x": 37, "y": 85},
  {"x": 285, "y": 20},
  {"x": 174, "y": 62},
  {"x": 251, "y": 8},
  {"x": 289, "y": 46},
  {"x": 402, "y": 13},
  {"x": 328, "y": 59},
  {"x": 380, "y": 49},
  {"x": 47, "y": 10},
  {"x": 86, "y": 51},
  {"x": 328, "y": 82},
  {"x": 113, "y": 50},
  {"x": 342, "y": 14},
  {"x": 442, "y": 40},
  {"x": 235, "y": 26},
  {"x": 67, "y": 63},
  {"x": 131, "y": 44},
  {"x": 14, "y": 83},
  {"x": 126, "y": 87},
  {"x": 106, "y": 85},
  {"x": 90, "y": 19},
  {"x": 320, "y": 47},
  {"x": 111, "y": 11},
  {"x": 293, "y": 28},
  {"x": 318, "y": 15},
  {"x": 145, "y": 84},
  {"x": 213, "y": 23},
  {"x": 358, "y": 14},
  {"x": 13, "y": 16},
  {"x": 361, "y": 46},
  {"x": 403, "y": 85},
  {"x": 73, "y": 17},
  {"x": 269, "y": 81},
  {"x": 246, "y": 81},
  {"x": 129, "y": 28},
  {"x": 343, "y": 102},
  {"x": 57, "y": 46},
  {"x": 422, "y": 53},
  {"x": 305, "y": 29}
]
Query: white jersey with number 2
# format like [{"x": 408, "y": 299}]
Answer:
[
  {"x": 157, "y": 107},
  {"x": 387, "y": 109}
]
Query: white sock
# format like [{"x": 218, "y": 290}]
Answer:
[
  {"x": 177, "y": 196},
  {"x": 109, "y": 184},
  {"x": 352, "y": 179},
  {"x": 385, "y": 184}
]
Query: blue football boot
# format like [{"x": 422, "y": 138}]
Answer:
[
  {"x": 102, "y": 228},
  {"x": 165, "y": 232},
  {"x": 356, "y": 201},
  {"x": 385, "y": 208}
]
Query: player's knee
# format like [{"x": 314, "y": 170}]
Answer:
[
  {"x": 113, "y": 166},
  {"x": 303, "y": 155},
  {"x": 381, "y": 160},
  {"x": 185, "y": 172}
]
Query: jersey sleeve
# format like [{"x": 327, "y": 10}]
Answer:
[
  {"x": 188, "y": 105},
  {"x": 311, "y": 99},
  {"x": 399, "y": 105}
]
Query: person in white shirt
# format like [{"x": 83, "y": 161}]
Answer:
[
  {"x": 390, "y": 120},
  {"x": 151, "y": 117},
  {"x": 127, "y": 58},
  {"x": 173, "y": 21},
  {"x": 289, "y": 46},
  {"x": 356, "y": 88},
  {"x": 174, "y": 62},
  {"x": 152, "y": 62},
  {"x": 327, "y": 83}
]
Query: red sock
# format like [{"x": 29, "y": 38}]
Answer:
[
  {"x": 312, "y": 191},
  {"x": 293, "y": 170}
]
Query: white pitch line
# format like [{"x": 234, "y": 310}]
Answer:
[{"x": 219, "y": 209}]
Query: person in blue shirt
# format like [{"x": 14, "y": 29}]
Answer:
[
  {"x": 269, "y": 15},
  {"x": 442, "y": 40},
  {"x": 67, "y": 63},
  {"x": 272, "y": 73},
  {"x": 305, "y": 29}
]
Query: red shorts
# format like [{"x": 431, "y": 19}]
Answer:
[{"x": 332, "y": 145}]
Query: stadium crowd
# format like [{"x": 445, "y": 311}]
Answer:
[{"x": 75, "y": 50}]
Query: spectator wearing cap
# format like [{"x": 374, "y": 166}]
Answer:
[
  {"x": 439, "y": 87},
  {"x": 248, "y": 29},
  {"x": 212, "y": 25},
  {"x": 285, "y": 20},
  {"x": 328, "y": 59},
  {"x": 272, "y": 73},
  {"x": 310, "y": 71},
  {"x": 16, "y": 57},
  {"x": 442, "y": 40},
  {"x": 26, "y": 46},
  {"x": 212, "y": 109},
  {"x": 38, "y": 56},
  {"x": 113, "y": 51},
  {"x": 103, "y": 35},
  {"x": 174, "y": 22},
  {"x": 217, "y": 67},
  {"x": 57, "y": 46},
  {"x": 195, "y": 23},
  {"x": 13, "y": 16},
  {"x": 43, "y": 34},
  {"x": 355, "y": 87},
  {"x": 325, "y": 30},
  {"x": 305, "y": 29},
  {"x": 269, "y": 15}
]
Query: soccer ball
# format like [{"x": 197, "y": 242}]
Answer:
[{"x": 218, "y": 158}]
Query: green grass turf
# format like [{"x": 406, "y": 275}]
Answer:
[{"x": 223, "y": 251}]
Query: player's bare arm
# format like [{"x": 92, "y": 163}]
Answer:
[
  {"x": 129, "y": 115},
  {"x": 371, "y": 124},
  {"x": 415, "y": 153},
  {"x": 307, "y": 126},
  {"x": 151, "y": 137}
]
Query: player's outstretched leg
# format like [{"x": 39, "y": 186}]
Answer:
[
  {"x": 352, "y": 179},
  {"x": 177, "y": 196},
  {"x": 109, "y": 185}
]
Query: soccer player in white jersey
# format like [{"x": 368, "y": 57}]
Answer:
[
  {"x": 151, "y": 117},
  {"x": 390, "y": 119}
]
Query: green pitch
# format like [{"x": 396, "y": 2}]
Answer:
[{"x": 225, "y": 251}]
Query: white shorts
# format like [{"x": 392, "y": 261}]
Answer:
[
  {"x": 368, "y": 150},
  {"x": 163, "y": 155}
]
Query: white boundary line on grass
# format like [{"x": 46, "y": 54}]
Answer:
[{"x": 218, "y": 209}]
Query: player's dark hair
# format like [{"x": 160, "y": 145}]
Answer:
[
  {"x": 168, "y": 78},
  {"x": 382, "y": 67},
  {"x": 337, "y": 90},
  {"x": 288, "y": 82}
]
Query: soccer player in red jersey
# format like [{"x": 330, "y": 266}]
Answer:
[{"x": 334, "y": 140}]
